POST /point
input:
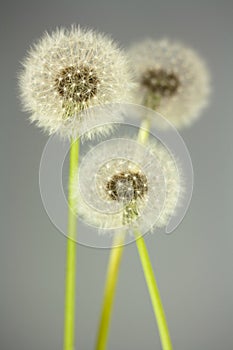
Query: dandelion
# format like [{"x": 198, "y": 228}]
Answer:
[
  {"x": 171, "y": 79},
  {"x": 124, "y": 185},
  {"x": 68, "y": 72}
]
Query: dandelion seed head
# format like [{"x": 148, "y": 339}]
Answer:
[
  {"x": 171, "y": 79},
  {"x": 67, "y": 73},
  {"x": 123, "y": 184}
]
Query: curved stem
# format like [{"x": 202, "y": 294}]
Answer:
[
  {"x": 109, "y": 291},
  {"x": 69, "y": 313},
  {"x": 154, "y": 294}
]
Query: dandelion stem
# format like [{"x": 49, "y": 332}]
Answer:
[
  {"x": 154, "y": 294},
  {"x": 147, "y": 267},
  {"x": 70, "y": 283},
  {"x": 143, "y": 133},
  {"x": 109, "y": 291},
  {"x": 112, "y": 275}
]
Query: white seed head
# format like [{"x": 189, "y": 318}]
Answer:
[
  {"x": 123, "y": 184},
  {"x": 68, "y": 72},
  {"x": 171, "y": 79}
]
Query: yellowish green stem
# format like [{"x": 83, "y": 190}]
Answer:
[
  {"x": 143, "y": 133},
  {"x": 154, "y": 295},
  {"x": 109, "y": 292},
  {"x": 69, "y": 313},
  {"x": 153, "y": 289}
]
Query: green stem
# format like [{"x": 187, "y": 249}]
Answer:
[
  {"x": 146, "y": 264},
  {"x": 143, "y": 133},
  {"x": 154, "y": 295},
  {"x": 109, "y": 292},
  {"x": 69, "y": 314}
]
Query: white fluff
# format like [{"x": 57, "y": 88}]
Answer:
[
  {"x": 74, "y": 47},
  {"x": 116, "y": 156},
  {"x": 182, "y": 108}
]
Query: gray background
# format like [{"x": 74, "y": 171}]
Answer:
[{"x": 193, "y": 265}]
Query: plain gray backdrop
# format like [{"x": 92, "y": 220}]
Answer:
[{"x": 193, "y": 265}]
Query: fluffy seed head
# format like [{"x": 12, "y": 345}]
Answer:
[
  {"x": 124, "y": 184},
  {"x": 171, "y": 79},
  {"x": 68, "y": 72}
]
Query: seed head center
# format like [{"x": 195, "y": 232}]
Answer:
[
  {"x": 127, "y": 186},
  {"x": 160, "y": 82},
  {"x": 77, "y": 84}
]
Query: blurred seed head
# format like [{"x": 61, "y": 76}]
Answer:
[{"x": 171, "y": 79}]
